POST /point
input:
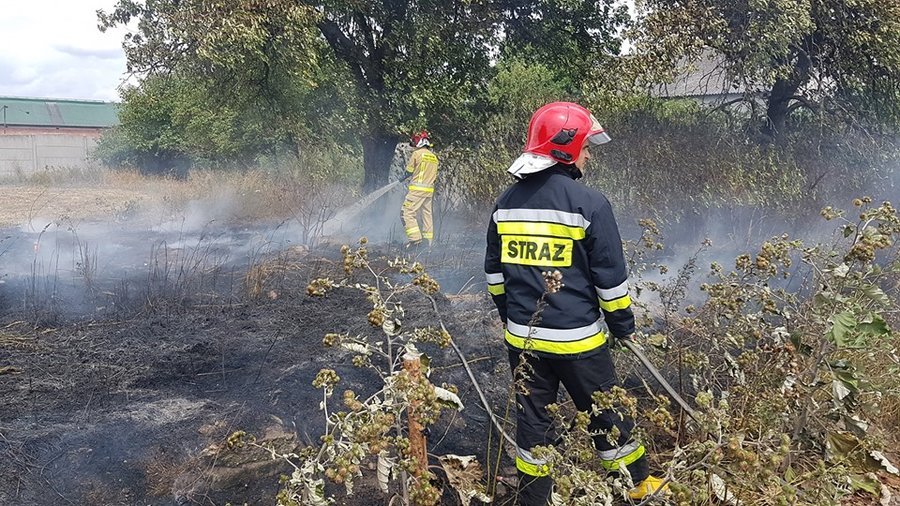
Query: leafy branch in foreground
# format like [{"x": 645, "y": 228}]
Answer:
[
  {"x": 384, "y": 427},
  {"x": 789, "y": 359}
]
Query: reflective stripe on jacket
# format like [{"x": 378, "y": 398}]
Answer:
[
  {"x": 424, "y": 166},
  {"x": 547, "y": 222}
]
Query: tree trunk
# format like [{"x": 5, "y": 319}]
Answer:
[
  {"x": 378, "y": 151},
  {"x": 777, "y": 107},
  {"x": 783, "y": 91}
]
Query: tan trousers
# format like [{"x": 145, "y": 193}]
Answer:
[{"x": 416, "y": 200}]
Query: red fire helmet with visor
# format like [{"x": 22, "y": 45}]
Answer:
[
  {"x": 556, "y": 134},
  {"x": 420, "y": 139}
]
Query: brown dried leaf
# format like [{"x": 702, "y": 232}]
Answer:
[{"x": 464, "y": 474}]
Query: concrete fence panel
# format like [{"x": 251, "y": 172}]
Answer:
[{"x": 23, "y": 155}]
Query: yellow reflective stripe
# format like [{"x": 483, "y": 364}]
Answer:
[
  {"x": 615, "y": 305},
  {"x": 560, "y": 348},
  {"x": 413, "y": 230},
  {"x": 532, "y": 469},
  {"x": 428, "y": 235},
  {"x": 539, "y": 228},
  {"x": 499, "y": 289},
  {"x": 613, "y": 465},
  {"x": 426, "y": 189}
]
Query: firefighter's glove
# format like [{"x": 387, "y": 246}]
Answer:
[{"x": 617, "y": 342}]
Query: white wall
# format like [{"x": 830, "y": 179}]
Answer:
[{"x": 22, "y": 155}]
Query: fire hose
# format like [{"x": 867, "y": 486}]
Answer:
[
  {"x": 635, "y": 348},
  {"x": 627, "y": 343}
]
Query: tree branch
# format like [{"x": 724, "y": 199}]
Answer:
[
  {"x": 723, "y": 105},
  {"x": 801, "y": 101},
  {"x": 344, "y": 48}
]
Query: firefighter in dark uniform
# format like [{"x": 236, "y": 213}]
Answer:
[{"x": 548, "y": 221}]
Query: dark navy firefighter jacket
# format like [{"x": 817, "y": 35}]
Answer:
[{"x": 546, "y": 222}]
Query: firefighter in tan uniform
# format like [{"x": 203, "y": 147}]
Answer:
[{"x": 423, "y": 166}]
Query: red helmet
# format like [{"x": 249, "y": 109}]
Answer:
[
  {"x": 560, "y": 129},
  {"x": 419, "y": 140}
]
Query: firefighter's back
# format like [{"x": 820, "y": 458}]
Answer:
[{"x": 542, "y": 222}]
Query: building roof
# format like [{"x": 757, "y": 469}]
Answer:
[
  {"x": 57, "y": 113},
  {"x": 704, "y": 76}
]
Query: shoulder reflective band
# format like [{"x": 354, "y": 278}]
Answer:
[
  {"x": 536, "y": 251},
  {"x": 535, "y": 228},
  {"x": 612, "y": 460},
  {"x": 541, "y": 215}
]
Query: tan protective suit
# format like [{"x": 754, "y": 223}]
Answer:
[{"x": 424, "y": 165}]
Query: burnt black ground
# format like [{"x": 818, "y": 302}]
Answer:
[{"x": 116, "y": 398}]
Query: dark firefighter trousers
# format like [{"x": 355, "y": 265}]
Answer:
[{"x": 581, "y": 378}]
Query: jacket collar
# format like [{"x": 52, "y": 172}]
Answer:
[{"x": 567, "y": 170}]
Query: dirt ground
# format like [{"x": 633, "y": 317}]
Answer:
[
  {"x": 23, "y": 204},
  {"x": 133, "y": 345},
  {"x": 133, "y": 406}
]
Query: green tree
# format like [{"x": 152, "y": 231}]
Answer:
[
  {"x": 397, "y": 64},
  {"x": 374, "y": 70},
  {"x": 220, "y": 79},
  {"x": 170, "y": 119},
  {"x": 837, "y": 59},
  {"x": 571, "y": 38}
]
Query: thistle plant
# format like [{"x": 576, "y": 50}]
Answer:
[
  {"x": 790, "y": 363},
  {"x": 788, "y": 360},
  {"x": 381, "y": 427}
]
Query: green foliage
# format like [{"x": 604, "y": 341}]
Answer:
[
  {"x": 569, "y": 39},
  {"x": 474, "y": 175},
  {"x": 792, "y": 401},
  {"x": 838, "y": 59},
  {"x": 375, "y": 67},
  {"x": 794, "y": 389},
  {"x": 170, "y": 118},
  {"x": 226, "y": 81},
  {"x": 370, "y": 70},
  {"x": 230, "y": 37},
  {"x": 675, "y": 159}
]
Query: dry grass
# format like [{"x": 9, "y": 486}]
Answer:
[
  {"x": 260, "y": 273},
  {"x": 77, "y": 196},
  {"x": 10, "y": 338},
  {"x": 21, "y": 205}
]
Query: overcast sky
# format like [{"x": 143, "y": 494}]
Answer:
[{"x": 53, "y": 49}]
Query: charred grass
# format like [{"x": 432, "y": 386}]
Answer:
[{"x": 134, "y": 406}]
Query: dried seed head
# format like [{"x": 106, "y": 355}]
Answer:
[{"x": 553, "y": 280}]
